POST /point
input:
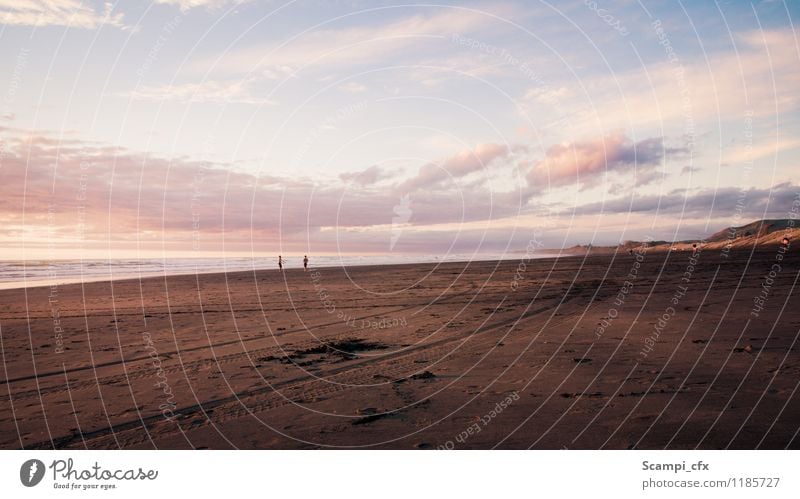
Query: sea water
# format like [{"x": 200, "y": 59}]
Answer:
[{"x": 27, "y": 273}]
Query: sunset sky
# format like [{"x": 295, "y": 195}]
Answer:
[{"x": 202, "y": 127}]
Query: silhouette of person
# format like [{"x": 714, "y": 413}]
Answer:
[
  {"x": 305, "y": 263},
  {"x": 280, "y": 262}
]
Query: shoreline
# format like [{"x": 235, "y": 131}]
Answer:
[
  {"x": 602, "y": 251},
  {"x": 41, "y": 283}
]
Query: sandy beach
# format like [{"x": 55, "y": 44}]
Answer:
[{"x": 647, "y": 350}]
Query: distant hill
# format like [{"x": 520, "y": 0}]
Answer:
[
  {"x": 761, "y": 233},
  {"x": 757, "y": 229}
]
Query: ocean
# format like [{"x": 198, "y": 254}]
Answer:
[{"x": 28, "y": 273}]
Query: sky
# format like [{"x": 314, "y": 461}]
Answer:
[{"x": 234, "y": 127}]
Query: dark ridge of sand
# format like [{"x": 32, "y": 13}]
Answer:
[
  {"x": 761, "y": 235},
  {"x": 513, "y": 354}
]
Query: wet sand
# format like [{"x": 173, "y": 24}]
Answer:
[{"x": 623, "y": 351}]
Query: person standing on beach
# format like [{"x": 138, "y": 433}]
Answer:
[
  {"x": 280, "y": 262},
  {"x": 305, "y": 263}
]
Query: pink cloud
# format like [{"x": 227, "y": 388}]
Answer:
[
  {"x": 585, "y": 163},
  {"x": 73, "y": 190},
  {"x": 61, "y": 191},
  {"x": 459, "y": 165}
]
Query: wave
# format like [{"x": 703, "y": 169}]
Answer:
[{"x": 18, "y": 273}]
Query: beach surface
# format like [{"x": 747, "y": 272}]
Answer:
[{"x": 647, "y": 350}]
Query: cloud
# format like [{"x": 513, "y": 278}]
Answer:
[
  {"x": 690, "y": 169},
  {"x": 459, "y": 165},
  {"x": 546, "y": 95},
  {"x": 643, "y": 176},
  {"x": 585, "y": 163},
  {"x": 73, "y": 193},
  {"x": 68, "y": 192},
  {"x": 71, "y": 13},
  {"x": 761, "y": 76},
  {"x": 369, "y": 176},
  {"x": 353, "y": 87},
  {"x": 209, "y": 4},
  {"x": 769, "y": 148},
  {"x": 278, "y": 72},
  {"x": 241, "y": 91},
  {"x": 370, "y": 43},
  {"x": 724, "y": 202}
]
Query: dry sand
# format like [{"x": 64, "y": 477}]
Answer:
[{"x": 478, "y": 355}]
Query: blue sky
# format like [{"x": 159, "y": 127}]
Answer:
[{"x": 201, "y": 127}]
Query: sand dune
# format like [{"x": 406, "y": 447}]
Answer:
[{"x": 759, "y": 235}]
